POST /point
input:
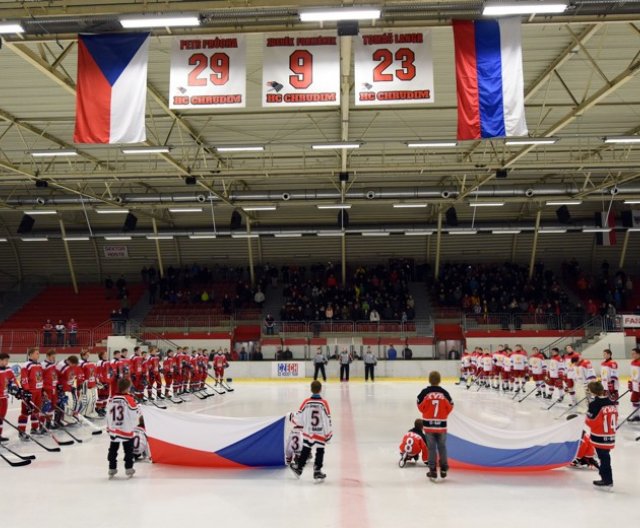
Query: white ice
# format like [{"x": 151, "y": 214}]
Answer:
[{"x": 364, "y": 486}]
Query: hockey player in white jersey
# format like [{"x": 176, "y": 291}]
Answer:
[
  {"x": 314, "y": 416},
  {"x": 293, "y": 447}
]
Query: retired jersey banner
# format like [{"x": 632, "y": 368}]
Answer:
[
  {"x": 474, "y": 445},
  {"x": 393, "y": 68},
  {"x": 208, "y": 72},
  {"x": 300, "y": 70},
  {"x": 199, "y": 440}
]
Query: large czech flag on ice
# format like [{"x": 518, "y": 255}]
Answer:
[
  {"x": 214, "y": 441},
  {"x": 473, "y": 445},
  {"x": 489, "y": 78},
  {"x": 111, "y": 88}
]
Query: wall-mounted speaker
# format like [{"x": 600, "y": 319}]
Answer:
[
  {"x": 26, "y": 224},
  {"x": 344, "y": 176},
  {"x": 130, "y": 222},
  {"x": 563, "y": 214},
  {"x": 236, "y": 220},
  {"x": 451, "y": 217},
  {"x": 501, "y": 173},
  {"x": 348, "y": 28},
  {"x": 190, "y": 180}
]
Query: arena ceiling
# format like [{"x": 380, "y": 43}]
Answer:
[{"x": 582, "y": 84}]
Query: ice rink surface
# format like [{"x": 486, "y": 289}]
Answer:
[{"x": 364, "y": 486}]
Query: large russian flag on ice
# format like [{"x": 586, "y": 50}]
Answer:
[
  {"x": 214, "y": 441},
  {"x": 473, "y": 445},
  {"x": 489, "y": 78},
  {"x": 111, "y": 91}
]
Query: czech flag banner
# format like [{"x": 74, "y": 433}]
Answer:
[
  {"x": 489, "y": 78},
  {"x": 111, "y": 91},
  {"x": 472, "y": 445},
  {"x": 214, "y": 441}
]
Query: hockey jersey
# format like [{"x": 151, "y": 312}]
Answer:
[
  {"x": 294, "y": 443},
  {"x": 220, "y": 362},
  {"x": 314, "y": 416},
  {"x": 123, "y": 416},
  {"x": 140, "y": 443},
  {"x": 586, "y": 372},
  {"x": 87, "y": 372},
  {"x": 634, "y": 379},
  {"x": 49, "y": 375},
  {"x": 31, "y": 376},
  {"x": 609, "y": 374},
  {"x": 66, "y": 375},
  {"x": 435, "y": 404},
  {"x": 602, "y": 419},
  {"x": 7, "y": 377},
  {"x": 536, "y": 364},
  {"x": 519, "y": 360},
  {"x": 413, "y": 444},
  {"x": 556, "y": 367}
]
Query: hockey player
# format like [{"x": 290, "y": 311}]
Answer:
[
  {"x": 114, "y": 372},
  {"x": 602, "y": 419},
  {"x": 634, "y": 384},
  {"x": 293, "y": 447},
  {"x": 31, "y": 380},
  {"x": 103, "y": 377},
  {"x": 314, "y": 416},
  {"x": 586, "y": 456},
  {"x": 123, "y": 416},
  {"x": 140, "y": 442},
  {"x": 538, "y": 370},
  {"x": 465, "y": 367},
  {"x": 609, "y": 375},
  {"x": 7, "y": 382},
  {"x": 50, "y": 390},
  {"x": 435, "y": 404},
  {"x": 219, "y": 364},
  {"x": 570, "y": 380},
  {"x": 169, "y": 372},
  {"x": 414, "y": 444},
  {"x": 498, "y": 360},
  {"x": 67, "y": 385},
  {"x": 124, "y": 365},
  {"x": 137, "y": 374},
  {"x": 153, "y": 374},
  {"x": 88, "y": 385},
  {"x": 584, "y": 372},
  {"x": 486, "y": 368},
  {"x": 194, "y": 363},
  {"x": 519, "y": 367},
  {"x": 557, "y": 369},
  {"x": 507, "y": 379}
]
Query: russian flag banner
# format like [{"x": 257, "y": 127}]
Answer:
[
  {"x": 111, "y": 90},
  {"x": 473, "y": 445},
  {"x": 489, "y": 78},
  {"x": 214, "y": 441}
]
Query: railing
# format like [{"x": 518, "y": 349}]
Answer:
[
  {"x": 345, "y": 327},
  {"x": 516, "y": 321},
  {"x": 187, "y": 322},
  {"x": 21, "y": 339},
  {"x": 578, "y": 335}
]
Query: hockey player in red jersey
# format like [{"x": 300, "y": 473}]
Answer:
[
  {"x": 169, "y": 372},
  {"x": 32, "y": 382},
  {"x": 153, "y": 370},
  {"x": 602, "y": 420},
  {"x": 634, "y": 384},
  {"x": 124, "y": 365},
  {"x": 586, "y": 456},
  {"x": 113, "y": 369},
  {"x": 50, "y": 390},
  {"x": 88, "y": 385},
  {"x": 219, "y": 364},
  {"x": 609, "y": 374},
  {"x": 435, "y": 404},
  {"x": 137, "y": 374},
  {"x": 103, "y": 376},
  {"x": 7, "y": 382},
  {"x": 67, "y": 385},
  {"x": 414, "y": 444},
  {"x": 314, "y": 416}
]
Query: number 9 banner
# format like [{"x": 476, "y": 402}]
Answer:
[
  {"x": 300, "y": 70},
  {"x": 208, "y": 71},
  {"x": 393, "y": 68}
]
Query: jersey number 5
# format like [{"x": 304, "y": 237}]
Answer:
[{"x": 315, "y": 418}]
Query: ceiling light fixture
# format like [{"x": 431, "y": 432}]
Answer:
[
  {"x": 432, "y": 144},
  {"x": 202, "y": 237},
  {"x": 3, "y": 240},
  {"x": 552, "y": 230},
  {"x": 409, "y": 205},
  {"x": 564, "y": 202},
  {"x": 334, "y": 146},
  {"x": 506, "y": 231},
  {"x": 244, "y": 235},
  {"x": 287, "y": 235},
  {"x": 486, "y": 204},
  {"x": 522, "y": 8},
  {"x": 246, "y": 148},
  {"x": 350, "y": 13},
  {"x": 632, "y": 202},
  {"x": 621, "y": 139},
  {"x": 76, "y": 238},
  {"x": 330, "y": 233},
  {"x": 34, "y": 239},
  {"x": 464, "y": 232},
  {"x": 55, "y": 153},
  {"x": 334, "y": 206},
  {"x": 376, "y": 233},
  {"x": 10, "y": 28},
  {"x": 159, "y": 237},
  {"x": 260, "y": 208},
  {"x": 146, "y": 150},
  {"x": 159, "y": 21},
  {"x": 532, "y": 141},
  {"x": 41, "y": 212},
  {"x": 117, "y": 238},
  {"x": 418, "y": 233},
  {"x": 185, "y": 209},
  {"x": 596, "y": 229},
  {"x": 112, "y": 211}
]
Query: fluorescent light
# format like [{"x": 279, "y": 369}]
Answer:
[
  {"x": 596, "y": 229},
  {"x": 159, "y": 237},
  {"x": 259, "y": 208},
  {"x": 552, "y": 230},
  {"x": 146, "y": 150},
  {"x": 409, "y": 205},
  {"x": 464, "y": 232},
  {"x": 185, "y": 209},
  {"x": 486, "y": 204},
  {"x": 632, "y": 202},
  {"x": 6, "y": 29},
  {"x": 522, "y": 8},
  {"x": 334, "y": 206},
  {"x": 506, "y": 231},
  {"x": 117, "y": 238},
  {"x": 112, "y": 211},
  {"x": 53, "y": 153},
  {"x": 159, "y": 21},
  {"x": 287, "y": 235},
  {"x": 376, "y": 233},
  {"x": 532, "y": 141},
  {"x": 246, "y": 148},
  {"x": 432, "y": 144},
  {"x": 621, "y": 139},
  {"x": 418, "y": 233},
  {"x": 3, "y": 240},
  {"x": 41, "y": 212},
  {"x": 330, "y": 233},
  {"x": 34, "y": 239},
  {"x": 244, "y": 235},
  {"x": 202, "y": 237},
  {"x": 329, "y": 146},
  {"x": 564, "y": 202},
  {"x": 633, "y": 229},
  {"x": 75, "y": 238},
  {"x": 351, "y": 13}
]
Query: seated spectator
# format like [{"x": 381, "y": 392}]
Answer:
[{"x": 392, "y": 353}]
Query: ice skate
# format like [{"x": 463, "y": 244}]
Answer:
[
  {"x": 432, "y": 476},
  {"x": 297, "y": 471},
  {"x": 601, "y": 484},
  {"x": 112, "y": 473},
  {"x": 443, "y": 474},
  {"x": 403, "y": 460},
  {"x": 130, "y": 472},
  {"x": 318, "y": 475}
]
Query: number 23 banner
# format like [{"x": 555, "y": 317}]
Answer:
[
  {"x": 208, "y": 71},
  {"x": 300, "y": 70},
  {"x": 393, "y": 68}
]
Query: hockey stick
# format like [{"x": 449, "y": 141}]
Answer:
[
  {"x": 623, "y": 394},
  {"x": 56, "y": 440},
  {"x": 627, "y": 418},
  {"x": 553, "y": 404},
  {"x": 214, "y": 389},
  {"x": 46, "y": 448},
  {"x": 528, "y": 394},
  {"x": 23, "y": 457},
  {"x": 226, "y": 386},
  {"x": 80, "y": 421},
  {"x": 571, "y": 407},
  {"x": 15, "y": 464},
  {"x": 156, "y": 404}
]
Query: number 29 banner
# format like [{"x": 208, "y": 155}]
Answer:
[
  {"x": 300, "y": 70},
  {"x": 208, "y": 72},
  {"x": 393, "y": 68}
]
